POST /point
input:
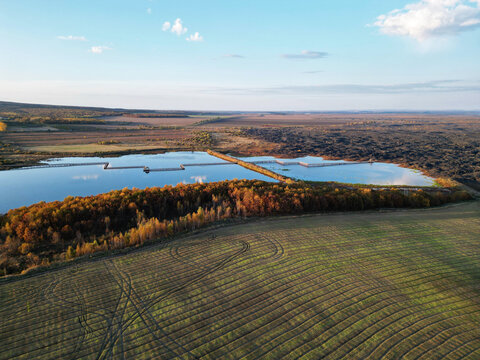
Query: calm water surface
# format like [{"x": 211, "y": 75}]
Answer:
[
  {"x": 24, "y": 187},
  {"x": 375, "y": 174}
]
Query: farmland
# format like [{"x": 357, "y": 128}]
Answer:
[
  {"x": 441, "y": 144},
  {"x": 369, "y": 285}
]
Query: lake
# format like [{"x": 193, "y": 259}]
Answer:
[
  {"x": 23, "y": 187},
  {"x": 374, "y": 174}
]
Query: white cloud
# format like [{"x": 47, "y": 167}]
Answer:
[
  {"x": 195, "y": 37},
  {"x": 166, "y": 26},
  {"x": 72, "y": 37},
  {"x": 306, "y": 54},
  {"x": 178, "y": 27},
  {"x": 149, "y": 11},
  {"x": 430, "y": 18},
  {"x": 99, "y": 49}
]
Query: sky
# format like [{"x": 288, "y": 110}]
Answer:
[{"x": 249, "y": 55}]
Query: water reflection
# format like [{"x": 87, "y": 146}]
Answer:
[
  {"x": 27, "y": 186},
  {"x": 375, "y": 174}
]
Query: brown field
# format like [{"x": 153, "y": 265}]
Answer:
[
  {"x": 440, "y": 144},
  {"x": 289, "y": 120},
  {"x": 160, "y": 121},
  {"x": 34, "y": 139}
]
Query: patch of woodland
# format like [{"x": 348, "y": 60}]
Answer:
[{"x": 45, "y": 233}]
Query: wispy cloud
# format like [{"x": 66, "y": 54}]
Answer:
[
  {"x": 72, "y": 38},
  {"x": 149, "y": 10},
  {"x": 306, "y": 54},
  {"x": 234, "y": 56},
  {"x": 195, "y": 37},
  {"x": 99, "y": 49},
  {"x": 431, "y": 18},
  {"x": 439, "y": 86}
]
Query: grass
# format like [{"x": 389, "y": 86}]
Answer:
[
  {"x": 89, "y": 148},
  {"x": 365, "y": 286}
]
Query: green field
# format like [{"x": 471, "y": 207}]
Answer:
[{"x": 379, "y": 285}]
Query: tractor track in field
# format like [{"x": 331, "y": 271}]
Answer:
[
  {"x": 311, "y": 266},
  {"x": 342, "y": 309},
  {"x": 56, "y": 300},
  {"x": 109, "y": 316},
  {"x": 82, "y": 319},
  {"x": 70, "y": 303},
  {"x": 147, "y": 306},
  {"x": 313, "y": 290},
  {"x": 125, "y": 284},
  {"x": 403, "y": 289},
  {"x": 73, "y": 271},
  {"x": 174, "y": 252},
  {"x": 116, "y": 319},
  {"x": 151, "y": 317},
  {"x": 279, "y": 250}
]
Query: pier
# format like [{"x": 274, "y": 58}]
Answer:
[
  {"x": 147, "y": 170},
  {"x": 228, "y": 160},
  {"x": 62, "y": 165},
  {"x": 210, "y": 164},
  {"x": 308, "y": 165},
  {"x": 108, "y": 167}
]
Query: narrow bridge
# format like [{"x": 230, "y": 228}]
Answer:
[
  {"x": 301, "y": 163},
  {"x": 209, "y": 164},
  {"x": 146, "y": 169},
  {"x": 108, "y": 167},
  {"x": 63, "y": 165}
]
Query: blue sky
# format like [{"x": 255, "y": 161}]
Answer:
[{"x": 243, "y": 55}]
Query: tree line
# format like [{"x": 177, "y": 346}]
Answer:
[{"x": 50, "y": 232}]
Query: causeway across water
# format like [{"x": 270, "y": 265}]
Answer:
[{"x": 146, "y": 169}]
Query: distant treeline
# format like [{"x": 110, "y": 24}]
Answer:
[
  {"x": 53, "y": 120},
  {"x": 48, "y": 232},
  {"x": 209, "y": 121},
  {"x": 156, "y": 115}
]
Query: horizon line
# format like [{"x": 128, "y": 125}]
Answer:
[{"x": 379, "y": 110}]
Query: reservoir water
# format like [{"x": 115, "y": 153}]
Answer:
[{"x": 23, "y": 187}]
